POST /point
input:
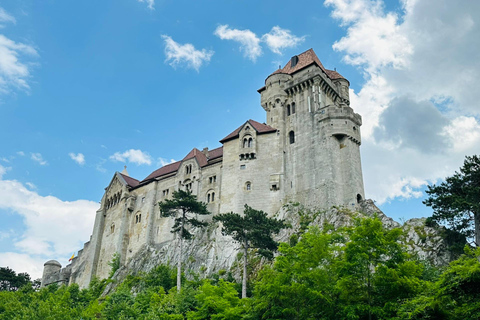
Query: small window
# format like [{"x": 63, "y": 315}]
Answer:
[
  {"x": 213, "y": 196},
  {"x": 248, "y": 186},
  {"x": 293, "y": 61},
  {"x": 112, "y": 228},
  {"x": 291, "y": 136},
  {"x": 143, "y": 199},
  {"x": 288, "y": 110},
  {"x": 359, "y": 198},
  {"x": 250, "y": 142},
  {"x": 242, "y": 167},
  {"x": 245, "y": 142},
  {"x": 208, "y": 198},
  {"x": 293, "y": 107}
]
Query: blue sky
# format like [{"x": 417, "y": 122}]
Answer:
[{"x": 87, "y": 87}]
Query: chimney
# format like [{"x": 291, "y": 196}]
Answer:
[{"x": 205, "y": 152}]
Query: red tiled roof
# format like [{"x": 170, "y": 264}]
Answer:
[
  {"x": 259, "y": 127},
  {"x": 304, "y": 60},
  {"x": 132, "y": 182},
  {"x": 195, "y": 153},
  {"x": 169, "y": 168},
  {"x": 173, "y": 167},
  {"x": 215, "y": 153}
]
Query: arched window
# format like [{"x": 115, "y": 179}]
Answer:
[
  {"x": 248, "y": 186},
  {"x": 245, "y": 142},
  {"x": 213, "y": 196},
  {"x": 288, "y": 110},
  {"x": 293, "y": 107},
  {"x": 250, "y": 142},
  {"x": 208, "y": 198},
  {"x": 359, "y": 198},
  {"x": 112, "y": 228},
  {"x": 291, "y": 136}
]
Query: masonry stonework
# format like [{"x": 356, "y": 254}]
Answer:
[{"x": 307, "y": 152}]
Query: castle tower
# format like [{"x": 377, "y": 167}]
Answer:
[{"x": 320, "y": 133}]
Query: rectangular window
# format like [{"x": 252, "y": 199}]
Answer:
[{"x": 242, "y": 167}]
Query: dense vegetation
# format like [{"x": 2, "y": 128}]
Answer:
[{"x": 360, "y": 272}]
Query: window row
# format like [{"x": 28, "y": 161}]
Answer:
[
  {"x": 188, "y": 169},
  {"x": 210, "y": 196},
  {"x": 248, "y": 142},
  {"x": 113, "y": 200}
]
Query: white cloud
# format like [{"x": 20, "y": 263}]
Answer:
[
  {"x": 278, "y": 39},
  {"x": 3, "y": 170},
  {"x": 162, "y": 161},
  {"x": 21, "y": 262},
  {"x": 135, "y": 156},
  {"x": 13, "y": 72},
  {"x": 178, "y": 54},
  {"x": 21, "y": 153},
  {"x": 31, "y": 185},
  {"x": 54, "y": 228},
  {"x": 78, "y": 158},
  {"x": 150, "y": 3},
  {"x": 420, "y": 100},
  {"x": 37, "y": 157},
  {"x": 249, "y": 42},
  {"x": 6, "y": 17}
]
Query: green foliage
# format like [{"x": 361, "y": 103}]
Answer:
[
  {"x": 180, "y": 206},
  {"x": 114, "y": 264},
  {"x": 10, "y": 281},
  {"x": 252, "y": 230},
  {"x": 456, "y": 201},
  {"x": 359, "y": 272}
]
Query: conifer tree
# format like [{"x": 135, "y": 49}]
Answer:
[
  {"x": 182, "y": 206},
  {"x": 456, "y": 201},
  {"x": 252, "y": 230}
]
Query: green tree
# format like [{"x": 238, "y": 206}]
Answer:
[
  {"x": 375, "y": 272},
  {"x": 456, "y": 201},
  {"x": 252, "y": 230},
  {"x": 184, "y": 207},
  {"x": 301, "y": 282},
  {"x": 10, "y": 281}
]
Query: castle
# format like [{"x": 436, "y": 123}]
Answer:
[{"x": 308, "y": 151}]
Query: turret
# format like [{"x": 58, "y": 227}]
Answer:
[{"x": 51, "y": 272}]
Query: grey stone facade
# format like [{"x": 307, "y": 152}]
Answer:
[{"x": 308, "y": 151}]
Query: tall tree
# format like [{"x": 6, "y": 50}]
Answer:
[
  {"x": 456, "y": 201},
  {"x": 252, "y": 230},
  {"x": 183, "y": 207}
]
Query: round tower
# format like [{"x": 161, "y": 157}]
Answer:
[
  {"x": 51, "y": 272},
  {"x": 274, "y": 97}
]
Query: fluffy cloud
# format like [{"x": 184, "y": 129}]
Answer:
[
  {"x": 37, "y": 157},
  {"x": 278, "y": 39},
  {"x": 249, "y": 42},
  {"x": 419, "y": 100},
  {"x": 78, "y": 158},
  {"x": 54, "y": 228},
  {"x": 135, "y": 156},
  {"x": 179, "y": 54},
  {"x": 150, "y": 3}
]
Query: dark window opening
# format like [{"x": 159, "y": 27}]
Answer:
[
  {"x": 288, "y": 110},
  {"x": 291, "y": 136},
  {"x": 293, "y": 61},
  {"x": 359, "y": 198},
  {"x": 293, "y": 107}
]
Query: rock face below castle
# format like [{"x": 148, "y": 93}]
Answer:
[{"x": 307, "y": 151}]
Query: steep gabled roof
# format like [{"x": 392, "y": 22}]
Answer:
[
  {"x": 131, "y": 182},
  {"x": 306, "y": 59},
  {"x": 197, "y": 154},
  {"x": 259, "y": 127},
  {"x": 173, "y": 167}
]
